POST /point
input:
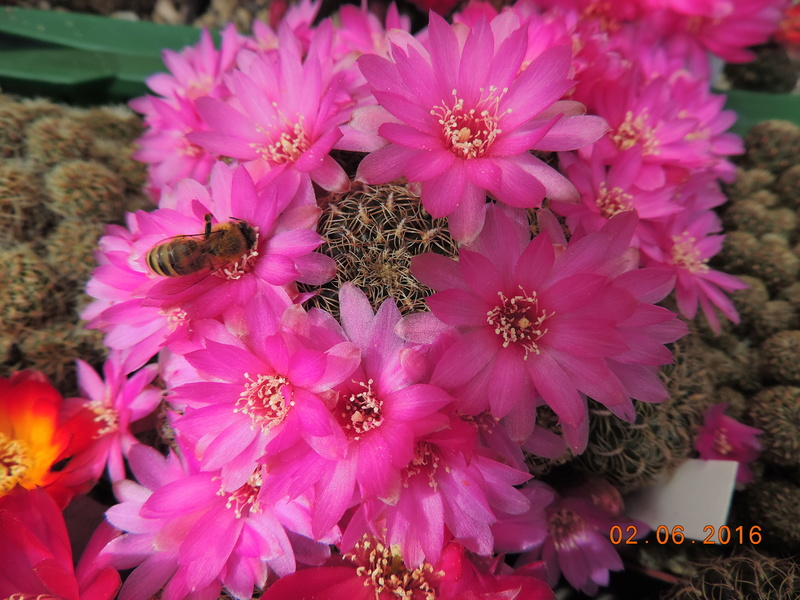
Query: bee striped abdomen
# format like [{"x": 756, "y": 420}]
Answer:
[{"x": 177, "y": 258}]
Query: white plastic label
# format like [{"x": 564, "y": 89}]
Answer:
[{"x": 697, "y": 496}]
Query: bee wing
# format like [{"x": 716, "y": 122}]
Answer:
[{"x": 191, "y": 236}]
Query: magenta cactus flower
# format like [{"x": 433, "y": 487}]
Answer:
[
  {"x": 724, "y": 438},
  {"x": 116, "y": 401},
  {"x": 460, "y": 116},
  {"x": 559, "y": 321},
  {"x": 285, "y": 117}
]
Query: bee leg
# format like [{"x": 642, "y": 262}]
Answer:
[{"x": 207, "y": 219}]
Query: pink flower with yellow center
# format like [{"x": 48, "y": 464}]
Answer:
[
  {"x": 460, "y": 116},
  {"x": 382, "y": 408},
  {"x": 723, "y": 438},
  {"x": 569, "y": 532},
  {"x": 607, "y": 190},
  {"x": 549, "y": 319},
  {"x": 116, "y": 402},
  {"x": 194, "y": 72},
  {"x": 284, "y": 117},
  {"x": 685, "y": 246},
  {"x": 188, "y": 535},
  {"x": 451, "y": 488},
  {"x": 273, "y": 392}
]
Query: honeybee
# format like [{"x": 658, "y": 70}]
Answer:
[{"x": 217, "y": 247}]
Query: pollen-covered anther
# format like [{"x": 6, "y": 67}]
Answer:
[
  {"x": 686, "y": 254},
  {"x": 636, "y": 130},
  {"x": 15, "y": 461},
  {"x": 106, "y": 417},
  {"x": 565, "y": 527},
  {"x": 425, "y": 462},
  {"x": 384, "y": 569},
  {"x": 266, "y": 400},
  {"x": 245, "y": 500},
  {"x": 721, "y": 443},
  {"x": 175, "y": 317},
  {"x": 468, "y": 133},
  {"x": 200, "y": 85},
  {"x": 603, "y": 13},
  {"x": 188, "y": 148},
  {"x": 362, "y": 410},
  {"x": 613, "y": 201},
  {"x": 286, "y": 146},
  {"x": 518, "y": 320}
]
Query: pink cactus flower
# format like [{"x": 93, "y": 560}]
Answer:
[
  {"x": 577, "y": 526},
  {"x": 452, "y": 488},
  {"x": 383, "y": 407},
  {"x": 271, "y": 393},
  {"x": 685, "y": 246},
  {"x": 196, "y": 71},
  {"x": 561, "y": 321},
  {"x": 141, "y": 311},
  {"x": 460, "y": 118},
  {"x": 724, "y": 438},
  {"x": 117, "y": 402},
  {"x": 186, "y": 533},
  {"x": 284, "y": 117}
]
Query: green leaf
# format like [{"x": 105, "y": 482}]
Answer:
[
  {"x": 74, "y": 56},
  {"x": 59, "y": 66},
  {"x": 754, "y": 107},
  {"x": 92, "y": 32}
]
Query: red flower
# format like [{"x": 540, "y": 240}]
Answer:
[
  {"x": 442, "y": 7},
  {"x": 35, "y": 553},
  {"x": 378, "y": 573},
  {"x": 789, "y": 31},
  {"x": 33, "y": 437}
]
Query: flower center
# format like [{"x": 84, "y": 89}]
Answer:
[
  {"x": 721, "y": 443},
  {"x": 362, "y": 411},
  {"x": 200, "y": 85},
  {"x": 636, "y": 130},
  {"x": 686, "y": 254},
  {"x": 187, "y": 148},
  {"x": 14, "y": 462},
  {"x": 175, "y": 317},
  {"x": 469, "y": 133},
  {"x": 613, "y": 201},
  {"x": 425, "y": 462},
  {"x": 566, "y": 527},
  {"x": 386, "y": 572},
  {"x": 603, "y": 12},
  {"x": 106, "y": 417},
  {"x": 286, "y": 146},
  {"x": 245, "y": 500},
  {"x": 519, "y": 320},
  {"x": 266, "y": 400}
]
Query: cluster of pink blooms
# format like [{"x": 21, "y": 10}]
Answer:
[{"x": 381, "y": 455}]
